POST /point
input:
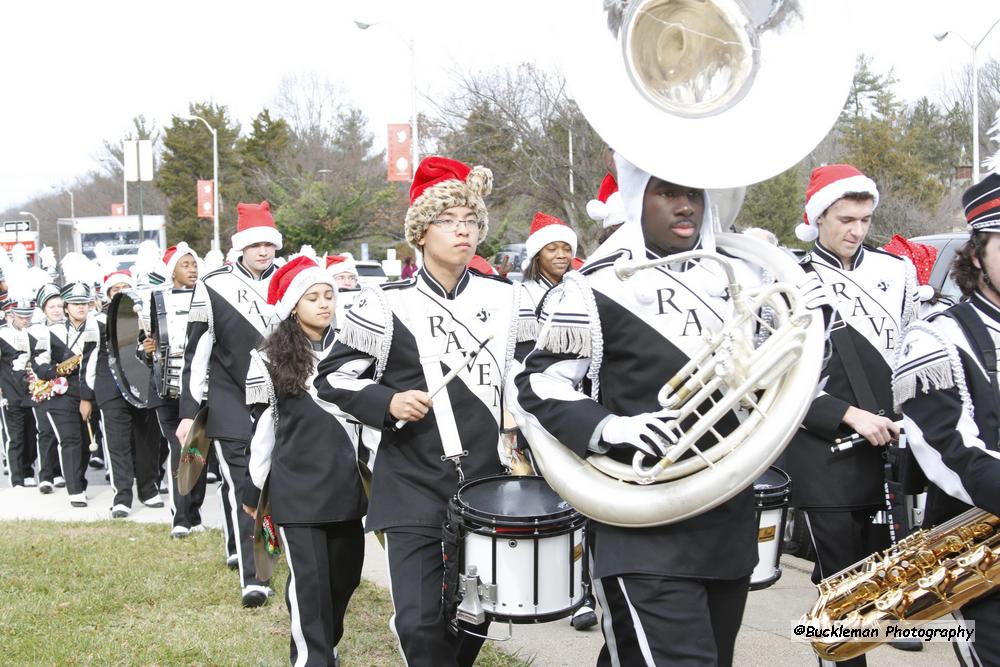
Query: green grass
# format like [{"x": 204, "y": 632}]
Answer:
[{"x": 126, "y": 594}]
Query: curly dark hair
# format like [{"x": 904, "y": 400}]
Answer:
[
  {"x": 963, "y": 271},
  {"x": 290, "y": 357}
]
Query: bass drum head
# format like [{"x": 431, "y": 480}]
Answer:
[
  {"x": 773, "y": 488},
  {"x": 124, "y": 329},
  {"x": 512, "y": 500}
]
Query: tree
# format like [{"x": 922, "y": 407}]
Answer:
[
  {"x": 187, "y": 158},
  {"x": 776, "y": 205}
]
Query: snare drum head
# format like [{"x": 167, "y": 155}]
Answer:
[
  {"x": 512, "y": 497},
  {"x": 773, "y": 488}
]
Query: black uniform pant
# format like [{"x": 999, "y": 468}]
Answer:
[
  {"x": 48, "y": 452},
  {"x": 841, "y": 539},
  {"x": 186, "y": 510},
  {"x": 324, "y": 569},
  {"x": 131, "y": 451},
  {"x": 67, "y": 425},
  {"x": 416, "y": 571},
  {"x": 653, "y": 621},
  {"x": 984, "y": 651},
  {"x": 19, "y": 424},
  {"x": 233, "y": 459}
]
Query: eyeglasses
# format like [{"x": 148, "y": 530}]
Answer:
[{"x": 452, "y": 225}]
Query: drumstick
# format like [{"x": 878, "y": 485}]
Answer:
[
  {"x": 93, "y": 443},
  {"x": 466, "y": 358},
  {"x": 853, "y": 440}
]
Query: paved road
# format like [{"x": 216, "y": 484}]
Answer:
[{"x": 763, "y": 640}]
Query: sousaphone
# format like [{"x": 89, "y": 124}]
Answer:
[{"x": 713, "y": 94}]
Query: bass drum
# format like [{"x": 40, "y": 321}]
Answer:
[{"x": 126, "y": 330}]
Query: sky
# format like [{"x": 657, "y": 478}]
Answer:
[{"x": 75, "y": 73}]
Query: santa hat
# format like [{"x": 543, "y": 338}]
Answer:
[
  {"x": 254, "y": 224},
  {"x": 173, "y": 255},
  {"x": 608, "y": 208},
  {"x": 442, "y": 183},
  {"x": 478, "y": 263},
  {"x": 341, "y": 264},
  {"x": 291, "y": 281},
  {"x": 576, "y": 263},
  {"x": 827, "y": 184},
  {"x": 546, "y": 229},
  {"x": 116, "y": 277},
  {"x": 922, "y": 255}
]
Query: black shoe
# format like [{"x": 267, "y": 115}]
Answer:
[
  {"x": 96, "y": 462},
  {"x": 45, "y": 487},
  {"x": 254, "y": 596},
  {"x": 907, "y": 645},
  {"x": 233, "y": 562},
  {"x": 584, "y": 618}
]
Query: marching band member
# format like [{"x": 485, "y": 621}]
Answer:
[
  {"x": 945, "y": 384},
  {"x": 19, "y": 423},
  {"x": 229, "y": 316},
  {"x": 181, "y": 271},
  {"x": 132, "y": 455},
  {"x": 48, "y": 312},
  {"x": 316, "y": 496},
  {"x": 344, "y": 271},
  {"x": 62, "y": 353},
  {"x": 397, "y": 343},
  {"x": 673, "y": 593}
]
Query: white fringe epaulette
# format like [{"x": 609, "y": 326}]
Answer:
[
  {"x": 515, "y": 332},
  {"x": 363, "y": 332},
  {"x": 926, "y": 360},
  {"x": 911, "y": 298},
  {"x": 201, "y": 309},
  {"x": 570, "y": 324},
  {"x": 259, "y": 388}
]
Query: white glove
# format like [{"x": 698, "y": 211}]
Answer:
[
  {"x": 813, "y": 292},
  {"x": 646, "y": 432}
]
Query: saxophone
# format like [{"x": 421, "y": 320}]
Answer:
[
  {"x": 42, "y": 390},
  {"x": 922, "y": 577}
]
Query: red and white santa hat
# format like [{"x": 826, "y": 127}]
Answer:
[
  {"x": 546, "y": 229},
  {"x": 173, "y": 254},
  {"x": 254, "y": 224},
  {"x": 441, "y": 183},
  {"x": 608, "y": 208},
  {"x": 341, "y": 264},
  {"x": 116, "y": 277},
  {"x": 291, "y": 281},
  {"x": 827, "y": 184}
]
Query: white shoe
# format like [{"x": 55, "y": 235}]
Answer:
[
  {"x": 155, "y": 502},
  {"x": 30, "y": 482},
  {"x": 233, "y": 562},
  {"x": 78, "y": 500},
  {"x": 59, "y": 482},
  {"x": 119, "y": 511},
  {"x": 45, "y": 487},
  {"x": 180, "y": 531},
  {"x": 197, "y": 529}
]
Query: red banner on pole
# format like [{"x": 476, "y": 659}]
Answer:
[
  {"x": 399, "y": 152},
  {"x": 205, "y": 204},
  {"x": 118, "y": 209}
]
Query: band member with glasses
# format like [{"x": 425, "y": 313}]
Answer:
[
  {"x": 229, "y": 317},
  {"x": 308, "y": 459},
  {"x": 396, "y": 345},
  {"x": 675, "y": 593},
  {"x": 945, "y": 384}
]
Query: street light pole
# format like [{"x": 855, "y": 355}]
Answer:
[
  {"x": 411, "y": 45},
  {"x": 215, "y": 179},
  {"x": 38, "y": 227},
  {"x": 975, "y": 92}
]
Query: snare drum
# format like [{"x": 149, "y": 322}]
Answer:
[
  {"x": 771, "y": 492},
  {"x": 525, "y": 543}
]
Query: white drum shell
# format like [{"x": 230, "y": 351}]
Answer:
[
  {"x": 560, "y": 557},
  {"x": 770, "y": 529}
]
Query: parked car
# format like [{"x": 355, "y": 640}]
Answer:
[{"x": 370, "y": 273}]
